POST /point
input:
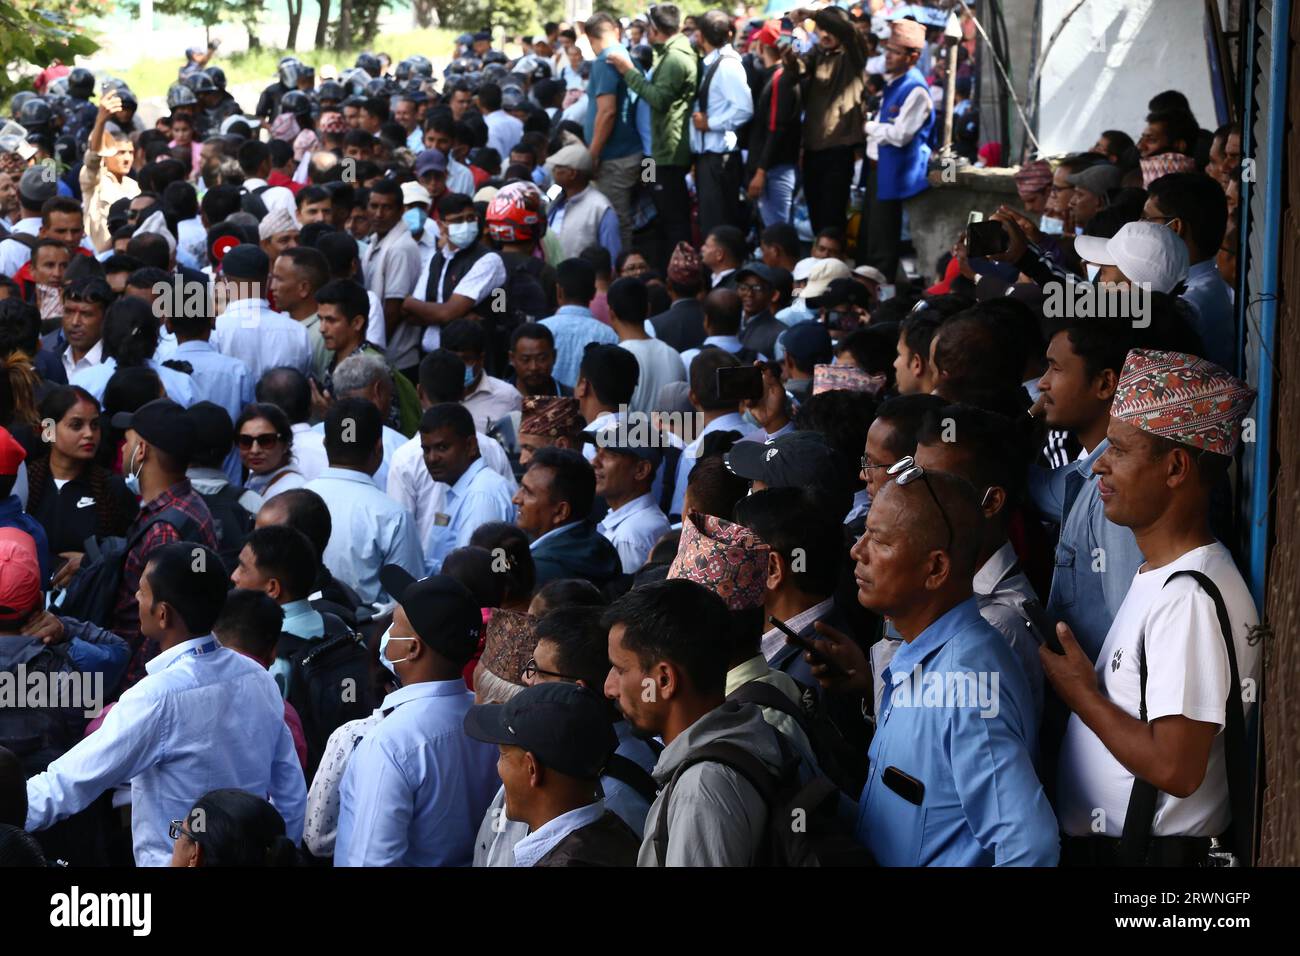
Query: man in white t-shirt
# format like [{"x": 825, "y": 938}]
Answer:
[{"x": 1175, "y": 424}]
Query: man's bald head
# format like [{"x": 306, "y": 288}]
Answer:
[{"x": 722, "y": 311}]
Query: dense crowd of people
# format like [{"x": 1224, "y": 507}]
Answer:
[{"x": 565, "y": 461}]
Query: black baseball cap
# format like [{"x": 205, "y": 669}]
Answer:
[
  {"x": 161, "y": 422},
  {"x": 800, "y": 459},
  {"x": 442, "y": 612},
  {"x": 246, "y": 261},
  {"x": 808, "y": 343},
  {"x": 566, "y": 726}
]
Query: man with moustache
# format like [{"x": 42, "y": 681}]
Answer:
[{"x": 951, "y": 780}]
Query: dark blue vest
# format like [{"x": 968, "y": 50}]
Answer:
[{"x": 900, "y": 170}]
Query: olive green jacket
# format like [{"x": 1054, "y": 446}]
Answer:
[{"x": 670, "y": 95}]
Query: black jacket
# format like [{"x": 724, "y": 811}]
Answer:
[
  {"x": 607, "y": 842},
  {"x": 775, "y": 132},
  {"x": 682, "y": 326}
]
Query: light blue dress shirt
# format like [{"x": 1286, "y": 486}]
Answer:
[
  {"x": 479, "y": 496},
  {"x": 417, "y": 786},
  {"x": 574, "y": 327},
  {"x": 178, "y": 386},
  {"x": 1095, "y": 558},
  {"x": 369, "y": 531},
  {"x": 251, "y": 331},
  {"x": 732, "y": 421},
  {"x": 204, "y": 718},
  {"x": 216, "y": 378},
  {"x": 546, "y": 837},
  {"x": 730, "y": 106},
  {"x": 633, "y": 530},
  {"x": 1215, "y": 320},
  {"x": 945, "y": 722}
]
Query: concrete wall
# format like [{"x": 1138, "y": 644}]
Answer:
[{"x": 938, "y": 215}]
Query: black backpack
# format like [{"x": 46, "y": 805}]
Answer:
[
  {"x": 839, "y": 760},
  {"x": 39, "y": 735},
  {"x": 803, "y": 826},
  {"x": 524, "y": 301},
  {"x": 632, "y": 774},
  {"x": 91, "y": 595},
  {"x": 329, "y": 684},
  {"x": 231, "y": 521}
]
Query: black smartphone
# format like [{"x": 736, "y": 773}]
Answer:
[
  {"x": 1042, "y": 627},
  {"x": 903, "y": 784},
  {"x": 740, "y": 383},
  {"x": 803, "y": 643},
  {"x": 985, "y": 239}
]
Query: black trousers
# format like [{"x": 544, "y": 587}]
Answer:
[
  {"x": 882, "y": 224},
  {"x": 827, "y": 176},
  {"x": 672, "y": 210},
  {"x": 717, "y": 185}
]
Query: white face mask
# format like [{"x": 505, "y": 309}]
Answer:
[
  {"x": 132, "y": 477},
  {"x": 1051, "y": 226}
]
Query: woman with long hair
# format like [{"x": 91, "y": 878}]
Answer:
[
  {"x": 69, "y": 493},
  {"x": 130, "y": 341},
  {"x": 265, "y": 441}
]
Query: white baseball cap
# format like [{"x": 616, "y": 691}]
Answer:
[
  {"x": 824, "y": 271},
  {"x": 1146, "y": 252},
  {"x": 803, "y": 269},
  {"x": 414, "y": 194}
]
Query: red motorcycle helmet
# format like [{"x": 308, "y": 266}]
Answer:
[{"x": 515, "y": 213}]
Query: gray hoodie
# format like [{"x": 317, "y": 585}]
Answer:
[{"x": 716, "y": 818}]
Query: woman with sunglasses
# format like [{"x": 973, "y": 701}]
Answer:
[
  {"x": 232, "y": 828},
  {"x": 265, "y": 440},
  {"x": 69, "y": 493}
]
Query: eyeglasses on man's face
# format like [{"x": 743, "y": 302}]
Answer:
[
  {"x": 531, "y": 672},
  {"x": 905, "y": 471}
]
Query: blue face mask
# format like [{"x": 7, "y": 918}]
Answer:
[
  {"x": 469, "y": 375},
  {"x": 414, "y": 219},
  {"x": 462, "y": 234},
  {"x": 383, "y": 650}
]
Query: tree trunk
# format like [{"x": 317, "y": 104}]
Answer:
[
  {"x": 322, "y": 23},
  {"x": 371, "y": 29},
  {"x": 295, "y": 20},
  {"x": 343, "y": 34}
]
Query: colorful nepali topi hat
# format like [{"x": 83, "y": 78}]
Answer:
[
  {"x": 1183, "y": 398},
  {"x": 727, "y": 558},
  {"x": 508, "y": 643},
  {"x": 549, "y": 416},
  {"x": 1033, "y": 177},
  {"x": 684, "y": 265}
]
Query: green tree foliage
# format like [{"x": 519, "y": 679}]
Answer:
[{"x": 34, "y": 35}]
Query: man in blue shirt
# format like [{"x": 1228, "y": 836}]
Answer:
[
  {"x": 206, "y": 717},
  {"x": 573, "y": 326},
  {"x": 610, "y": 129},
  {"x": 417, "y": 786},
  {"x": 476, "y": 495},
  {"x": 952, "y": 780},
  {"x": 722, "y": 108},
  {"x": 1193, "y": 205},
  {"x": 1095, "y": 558}
]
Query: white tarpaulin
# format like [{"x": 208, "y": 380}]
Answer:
[{"x": 1110, "y": 59}]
